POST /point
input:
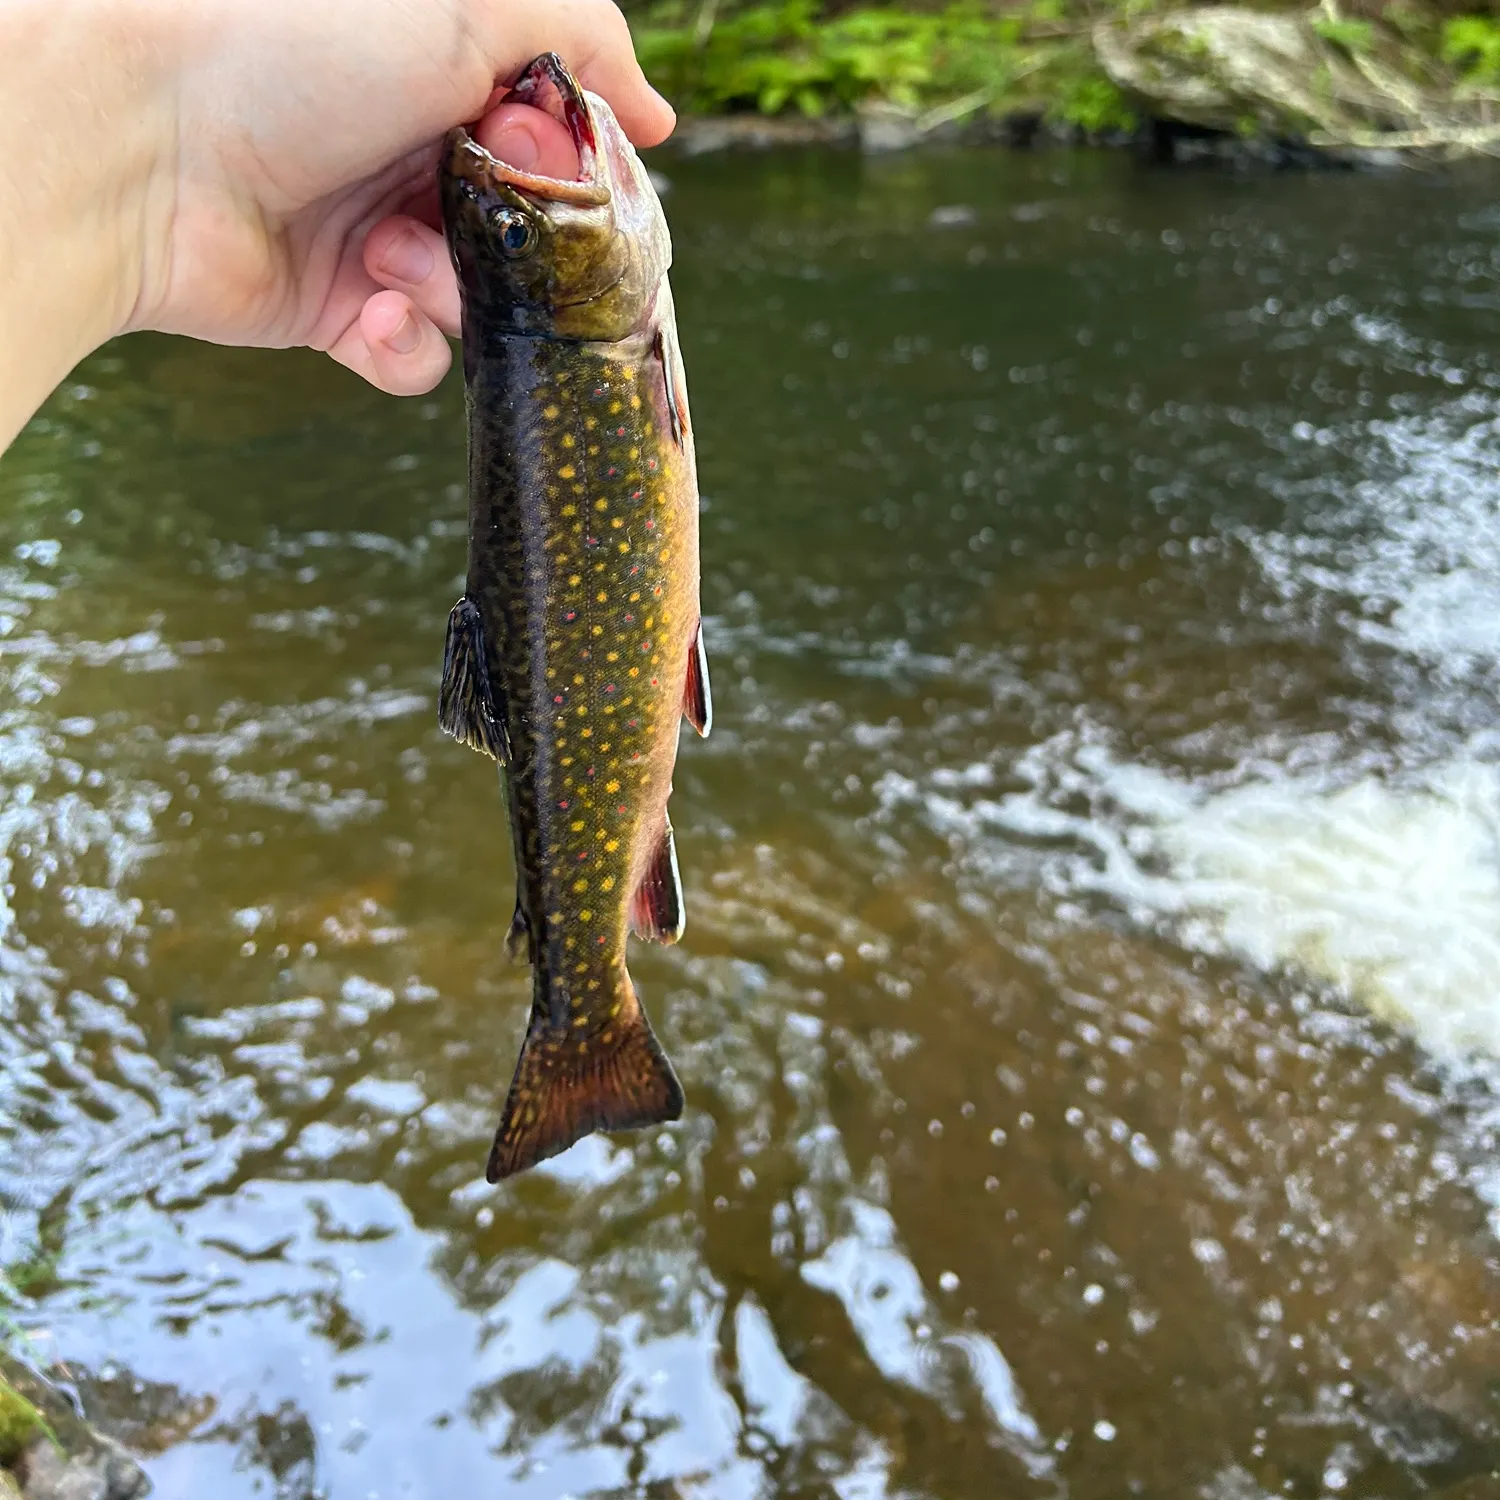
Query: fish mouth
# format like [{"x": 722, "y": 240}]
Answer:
[{"x": 545, "y": 84}]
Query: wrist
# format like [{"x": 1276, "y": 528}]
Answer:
[{"x": 85, "y": 110}]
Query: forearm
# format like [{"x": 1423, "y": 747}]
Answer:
[{"x": 81, "y": 119}]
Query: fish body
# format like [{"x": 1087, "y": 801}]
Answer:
[{"x": 576, "y": 649}]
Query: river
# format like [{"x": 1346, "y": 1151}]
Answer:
[{"x": 1087, "y": 1009}]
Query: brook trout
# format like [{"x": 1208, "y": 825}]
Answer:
[{"x": 576, "y": 649}]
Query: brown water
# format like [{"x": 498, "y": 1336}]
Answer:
[{"x": 1102, "y": 594}]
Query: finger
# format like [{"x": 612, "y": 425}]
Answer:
[
  {"x": 394, "y": 347},
  {"x": 406, "y": 256},
  {"x": 593, "y": 38},
  {"x": 530, "y": 139}
]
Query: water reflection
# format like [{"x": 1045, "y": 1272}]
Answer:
[{"x": 1091, "y": 882}]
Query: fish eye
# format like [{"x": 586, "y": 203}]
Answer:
[{"x": 516, "y": 233}]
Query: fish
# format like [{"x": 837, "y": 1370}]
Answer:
[{"x": 577, "y": 648}]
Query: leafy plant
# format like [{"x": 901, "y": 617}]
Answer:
[
  {"x": 1472, "y": 44},
  {"x": 1345, "y": 32}
]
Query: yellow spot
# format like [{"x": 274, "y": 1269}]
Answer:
[
  {"x": 635, "y": 452},
  {"x": 580, "y": 1020},
  {"x": 574, "y": 580},
  {"x": 665, "y": 555},
  {"x": 650, "y": 621},
  {"x": 568, "y": 942},
  {"x": 566, "y": 472},
  {"x": 567, "y": 760},
  {"x": 614, "y": 406},
  {"x": 577, "y": 827},
  {"x": 578, "y": 1003},
  {"x": 582, "y": 968},
  {"x": 567, "y": 440},
  {"x": 611, "y": 785},
  {"x": 589, "y": 425},
  {"x": 611, "y": 846},
  {"x": 583, "y": 710},
  {"x": 635, "y": 598},
  {"x": 635, "y": 403},
  {"x": 593, "y": 447},
  {"x": 570, "y": 510},
  {"x": 606, "y": 1037},
  {"x": 597, "y": 630},
  {"x": 593, "y": 984},
  {"x": 624, "y": 546},
  {"x": 612, "y": 656},
  {"x": 602, "y": 597},
  {"x": 552, "y": 671},
  {"x": 587, "y": 732},
  {"x": 635, "y": 671},
  {"x": 617, "y": 522},
  {"x": 585, "y": 915},
  {"x": 601, "y": 503},
  {"x": 608, "y": 883},
  {"x": 627, "y": 372},
  {"x": 580, "y": 884},
  {"x": 551, "y": 413},
  {"x": 614, "y": 1009},
  {"x": 583, "y": 1048}
]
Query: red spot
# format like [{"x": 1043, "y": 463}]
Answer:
[
  {"x": 633, "y": 759},
  {"x": 612, "y": 471},
  {"x": 630, "y": 619},
  {"x": 584, "y": 854},
  {"x": 598, "y": 390},
  {"x": 657, "y": 591},
  {"x": 634, "y": 723},
  {"x": 600, "y": 939},
  {"x": 591, "y": 541},
  {"x": 563, "y": 804},
  {"x": 636, "y": 568},
  {"x": 619, "y": 432},
  {"x": 589, "y": 772},
  {"x": 557, "y": 697},
  {"x": 609, "y": 687},
  {"x": 621, "y": 807},
  {"x": 655, "y": 683},
  {"x": 651, "y": 464},
  {"x": 650, "y": 525},
  {"x": 645, "y": 645},
  {"x": 571, "y": 615},
  {"x": 635, "y": 494},
  {"x": 585, "y": 652}
]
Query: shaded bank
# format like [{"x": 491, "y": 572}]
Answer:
[{"x": 1407, "y": 79}]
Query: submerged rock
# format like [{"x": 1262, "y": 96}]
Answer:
[{"x": 52, "y": 1452}]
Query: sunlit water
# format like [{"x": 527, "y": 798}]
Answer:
[{"x": 1090, "y": 1003}]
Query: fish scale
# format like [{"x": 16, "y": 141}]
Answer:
[{"x": 576, "y": 649}]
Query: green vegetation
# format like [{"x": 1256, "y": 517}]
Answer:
[
  {"x": 20, "y": 1422},
  {"x": 1472, "y": 44},
  {"x": 948, "y": 60},
  {"x": 791, "y": 56}
]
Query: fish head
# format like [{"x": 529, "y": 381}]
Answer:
[{"x": 574, "y": 259}]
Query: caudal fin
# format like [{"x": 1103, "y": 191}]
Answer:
[{"x": 566, "y": 1088}]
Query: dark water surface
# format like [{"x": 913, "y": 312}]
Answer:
[{"x": 1092, "y": 974}]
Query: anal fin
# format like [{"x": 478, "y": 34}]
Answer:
[
  {"x": 697, "y": 697},
  {"x": 656, "y": 912},
  {"x": 466, "y": 704}
]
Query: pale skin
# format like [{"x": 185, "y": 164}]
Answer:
[{"x": 261, "y": 172}]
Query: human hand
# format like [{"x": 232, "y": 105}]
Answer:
[{"x": 298, "y": 203}]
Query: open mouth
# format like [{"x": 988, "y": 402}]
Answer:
[{"x": 544, "y": 84}]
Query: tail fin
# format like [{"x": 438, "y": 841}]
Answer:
[{"x": 566, "y": 1088}]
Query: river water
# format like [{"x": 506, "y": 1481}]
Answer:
[{"x": 1088, "y": 1007}]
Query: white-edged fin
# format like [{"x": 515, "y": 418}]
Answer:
[
  {"x": 697, "y": 697},
  {"x": 656, "y": 913},
  {"x": 466, "y": 706},
  {"x": 676, "y": 401}
]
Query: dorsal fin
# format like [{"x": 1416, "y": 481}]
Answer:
[
  {"x": 656, "y": 912},
  {"x": 697, "y": 698}
]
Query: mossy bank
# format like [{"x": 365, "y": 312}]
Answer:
[{"x": 1399, "y": 78}]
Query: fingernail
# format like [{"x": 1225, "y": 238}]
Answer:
[
  {"x": 407, "y": 258},
  {"x": 406, "y": 336},
  {"x": 517, "y": 147}
]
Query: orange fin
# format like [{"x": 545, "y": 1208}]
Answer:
[
  {"x": 566, "y": 1088},
  {"x": 697, "y": 698},
  {"x": 466, "y": 706},
  {"x": 656, "y": 913}
]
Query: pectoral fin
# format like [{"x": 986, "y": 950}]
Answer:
[
  {"x": 466, "y": 705},
  {"x": 697, "y": 699},
  {"x": 656, "y": 913},
  {"x": 518, "y": 939}
]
